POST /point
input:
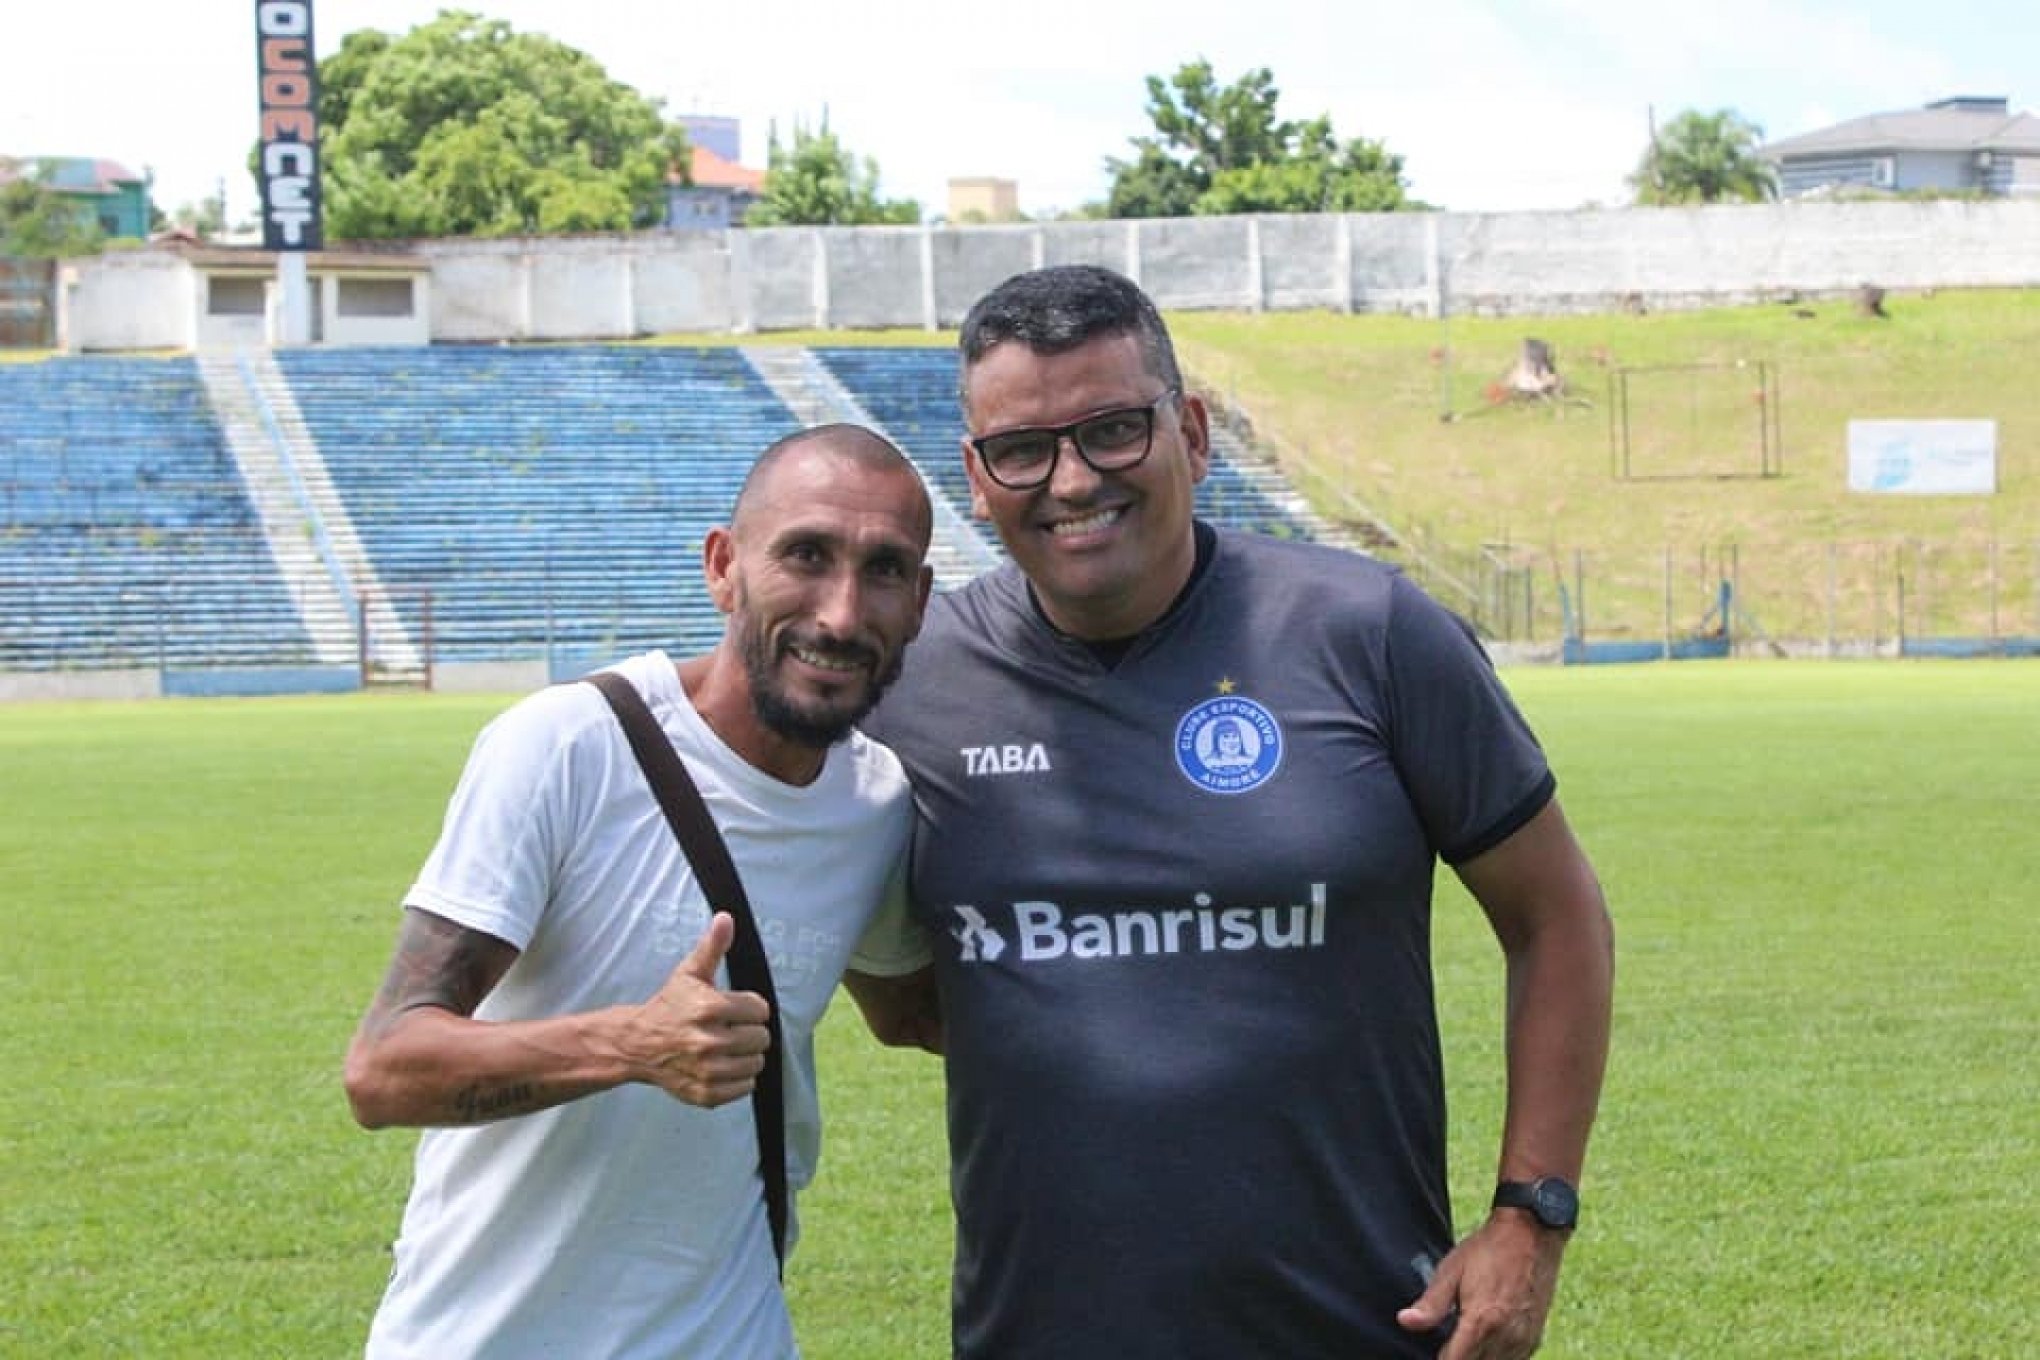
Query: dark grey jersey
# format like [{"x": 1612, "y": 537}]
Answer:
[{"x": 1180, "y": 910}]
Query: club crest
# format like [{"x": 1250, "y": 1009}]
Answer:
[{"x": 1228, "y": 745}]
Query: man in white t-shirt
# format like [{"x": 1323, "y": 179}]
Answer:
[{"x": 556, "y": 1016}]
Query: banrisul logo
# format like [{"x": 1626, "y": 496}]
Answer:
[
  {"x": 1041, "y": 932},
  {"x": 975, "y": 937},
  {"x": 1229, "y": 744}
]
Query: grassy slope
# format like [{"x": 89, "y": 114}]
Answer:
[
  {"x": 1356, "y": 404},
  {"x": 1363, "y": 395}
]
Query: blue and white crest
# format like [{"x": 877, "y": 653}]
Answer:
[{"x": 1228, "y": 745}]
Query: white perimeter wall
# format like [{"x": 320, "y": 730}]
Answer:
[
  {"x": 128, "y": 300},
  {"x": 612, "y": 287}
]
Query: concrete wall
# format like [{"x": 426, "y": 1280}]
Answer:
[
  {"x": 490, "y": 677},
  {"x": 1669, "y": 258},
  {"x": 23, "y": 686},
  {"x": 229, "y": 332},
  {"x": 493, "y": 677},
  {"x": 126, "y": 300},
  {"x": 415, "y": 329},
  {"x": 788, "y": 278},
  {"x": 144, "y": 299}
]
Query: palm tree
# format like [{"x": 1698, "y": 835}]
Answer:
[{"x": 1705, "y": 158}]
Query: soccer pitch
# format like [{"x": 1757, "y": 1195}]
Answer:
[{"x": 1819, "y": 1135}]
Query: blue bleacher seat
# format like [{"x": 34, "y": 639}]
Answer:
[
  {"x": 126, "y": 536},
  {"x": 551, "y": 499},
  {"x": 547, "y": 501}
]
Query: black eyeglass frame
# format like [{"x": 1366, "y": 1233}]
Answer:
[{"x": 1074, "y": 434}]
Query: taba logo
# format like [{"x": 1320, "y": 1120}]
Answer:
[{"x": 1012, "y": 758}]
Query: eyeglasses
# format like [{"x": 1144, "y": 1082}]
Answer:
[{"x": 1111, "y": 441}]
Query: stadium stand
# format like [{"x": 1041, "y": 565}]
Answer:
[
  {"x": 482, "y": 504},
  {"x": 958, "y": 549},
  {"x": 552, "y": 501},
  {"x": 126, "y": 536}
]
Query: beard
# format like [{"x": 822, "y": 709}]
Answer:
[{"x": 812, "y": 724}]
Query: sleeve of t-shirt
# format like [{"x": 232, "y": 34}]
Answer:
[
  {"x": 894, "y": 944},
  {"x": 491, "y": 869},
  {"x": 1468, "y": 758}
]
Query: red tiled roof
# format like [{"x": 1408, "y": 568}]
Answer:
[
  {"x": 73, "y": 174},
  {"x": 713, "y": 172}
]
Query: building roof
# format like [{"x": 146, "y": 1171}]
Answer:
[
  {"x": 711, "y": 171},
  {"x": 358, "y": 258},
  {"x": 71, "y": 174},
  {"x": 1959, "y": 124}
]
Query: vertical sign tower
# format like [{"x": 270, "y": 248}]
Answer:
[{"x": 287, "y": 65}]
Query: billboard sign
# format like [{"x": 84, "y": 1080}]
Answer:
[
  {"x": 289, "y": 159},
  {"x": 1923, "y": 457}
]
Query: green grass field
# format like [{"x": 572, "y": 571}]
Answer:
[{"x": 1818, "y": 1138}]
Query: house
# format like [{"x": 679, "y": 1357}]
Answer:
[
  {"x": 984, "y": 198},
  {"x": 718, "y": 191},
  {"x": 106, "y": 192},
  {"x": 1966, "y": 144}
]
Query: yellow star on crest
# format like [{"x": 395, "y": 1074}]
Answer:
[{"x": 1227, "y": 685}]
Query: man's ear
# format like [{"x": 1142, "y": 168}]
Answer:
[
  {"x": 921, "y": 599},
  {"x": 718, "y": 564},
  {"x": 1196, "y": 426},
  {"x": 979, "y": 509}
]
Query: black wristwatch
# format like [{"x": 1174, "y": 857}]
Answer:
[{"x": 1551, "y": 1199}]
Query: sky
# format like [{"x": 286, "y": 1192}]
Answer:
[{"x": 1493, "y": 106}]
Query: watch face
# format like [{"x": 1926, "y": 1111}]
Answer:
[{"x": 1557, "y": 1204}]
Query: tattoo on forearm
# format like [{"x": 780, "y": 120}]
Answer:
[{"x": 479, "y": 1103}]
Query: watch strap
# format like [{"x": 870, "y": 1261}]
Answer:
[{"x": 1550, "y": 1199}]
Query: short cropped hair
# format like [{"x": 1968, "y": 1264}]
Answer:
[
  {"x": 859, "y": 444},
  {"x": 1056, "y": 309}
]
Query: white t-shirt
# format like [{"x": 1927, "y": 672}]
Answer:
[{"x": 627, "y": 1224}]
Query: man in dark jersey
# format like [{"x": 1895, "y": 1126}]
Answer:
[{"x": 1180, "y": 795}]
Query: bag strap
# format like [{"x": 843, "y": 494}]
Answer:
[{"x": 689, "y": 817}]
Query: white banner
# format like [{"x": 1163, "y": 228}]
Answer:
[{"x": 1923, "y": 457}]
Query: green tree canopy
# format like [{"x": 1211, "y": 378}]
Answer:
[
  {"x": 816, "y": 181},
  {"x": 38, "y": 223},
  {"x": 464, "y": 127},
  {"x": 1226, "y": 150},
  {"x": 1705, "y": 158}
]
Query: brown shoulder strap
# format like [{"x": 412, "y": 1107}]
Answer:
[{"x": 689, "y": 817}]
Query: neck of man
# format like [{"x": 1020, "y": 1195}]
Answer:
[{"x": 720, "y": 690}]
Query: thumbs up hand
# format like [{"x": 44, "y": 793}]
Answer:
[{"x": 695, "y": 1041}]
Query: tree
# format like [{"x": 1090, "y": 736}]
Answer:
[
  {"x": 1705, "y": 158},
  {"x": 1319, "y": 175},
  {"x": 205, "y": 219},
  {"x": 38, "y": 223},
  {"x": 465, "y": 127},
  {"x": 815, "y": 181},
  {"x": 1226, "y": 150}
]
